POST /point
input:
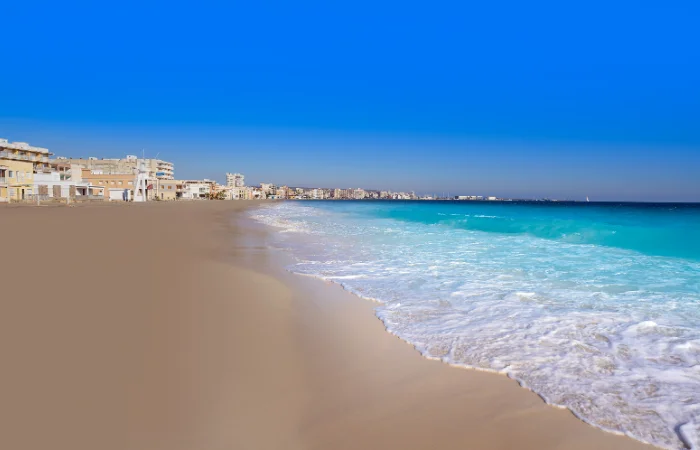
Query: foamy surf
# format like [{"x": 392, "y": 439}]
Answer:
[{"x": 608, "y": 328}]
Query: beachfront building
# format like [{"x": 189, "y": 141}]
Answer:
[
  {"x": 359, "y": 194},
  {"x": 21, "y": 151},
  {"x": 342, "y": 194},
  {"x": 238, "y": 193},
  {"x": 235, "y": 180},
  {"x": 317, "y": 194},
  {"x": 116, "y": 186},
  {"x": 257, "y": 194},
  {"x": 18, "y": 162},
  {"x": 53, "y": 185},
  {"x": 268, "y": 188},
  {"x": 247, "y": 193},
  {"x": 156, "y": 168},
  {"x": 16, "y": 180},
  {"x": 197, "y": 189},
  {"x": 169, "y": 189}
]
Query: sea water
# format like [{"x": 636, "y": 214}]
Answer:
[{"x": 596, "y": 307}]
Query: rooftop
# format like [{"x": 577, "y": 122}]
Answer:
[{"x": 22, "y": 146}]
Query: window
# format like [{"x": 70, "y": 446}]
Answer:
[
  {"x": 170, "y": 188},
  {"x": 130, "y": 183},
  {"x": 10, "y": 174},
  {"x": 120, "y": 183}
]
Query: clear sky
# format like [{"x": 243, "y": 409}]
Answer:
[{"x": 509, "y": 98}]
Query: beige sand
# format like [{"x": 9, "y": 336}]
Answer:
[{"x": 166, "y": 326}]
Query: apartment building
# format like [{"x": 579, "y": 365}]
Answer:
[
  {"x": 317, "y": 194},
  {"x": 235, "y": 180},
  {"x": 16, "y": 180},
  {"x": 196, "y": 189},
  {"x": 169, "y": 189},
  {"x": 281, "y": 193},
  {"x": 157, "y": 168},
  {"x": 18, "y": 162},
  {"x": 359, "y": 194},
  {"x": 268, "y": 188},
  {"x": 116, "y": 186}
]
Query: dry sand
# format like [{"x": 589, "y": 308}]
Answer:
[{"x": 169, "y": 326}]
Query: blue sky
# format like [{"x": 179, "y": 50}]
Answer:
[{"x": 523, "y": 99}]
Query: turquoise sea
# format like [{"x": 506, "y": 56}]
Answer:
[{"x": 594, "y": 306}]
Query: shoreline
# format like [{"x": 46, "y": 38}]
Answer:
[
  {"x": 175, "y": 326},
  {"x": 298, "y": 278}
]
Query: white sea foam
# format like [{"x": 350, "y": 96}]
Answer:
[{"x": 611, "y": 334}]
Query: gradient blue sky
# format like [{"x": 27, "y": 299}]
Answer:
[{"x": 523, "y": 99}]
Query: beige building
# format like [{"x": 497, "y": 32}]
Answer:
[
  {"x": 118, "y": 186},
  {"x": 169, "y": 189},
  {"x": 157, "y": 168},
  {"x": 18, "y": 162}
]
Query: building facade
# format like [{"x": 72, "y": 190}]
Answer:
[
  {"x": 16, "y": 180},
  {"x": 235, "y": 180},
  {"x": 157, "y": 168},
  {"x": 18, "y": 162},
  {"x": 52, "y": 185},
  {"x": 116, "y": 187},
  {"x": 194, "y": 190},
  {"x": 169, "y": 189}
]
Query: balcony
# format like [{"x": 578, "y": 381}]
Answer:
[
  {"x": 23, "y": 157},
  {"x": 3, "y": 180},
  {"x": 14, "y": 156}
]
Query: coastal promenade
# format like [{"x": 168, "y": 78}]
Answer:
[{"x": 172, "y": 326}]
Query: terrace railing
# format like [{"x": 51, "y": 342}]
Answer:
[{"x": 17, "y": 157}]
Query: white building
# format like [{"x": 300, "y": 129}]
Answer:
[
  {"x": 317, "y": 194},
  {"x": 268, "y": 188},
  {"x": 359, "y": 194},
  {"x": 235, "y": 180},
  {"x": 51, "y": 185},
  {"x": 195, "y": 190}
]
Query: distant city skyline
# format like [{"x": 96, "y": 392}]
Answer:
[
  {"x": 510, "y": 99},
  {"x": 601, "y": 172}
]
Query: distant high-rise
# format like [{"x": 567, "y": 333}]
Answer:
[{"x": 235, "y": 180}]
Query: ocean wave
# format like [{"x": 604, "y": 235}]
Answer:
[{"x": 611, "y": 334}]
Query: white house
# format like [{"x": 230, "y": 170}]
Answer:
[
  {"x": 51, "y": 185},
  {"x": 196, "y": 190}
]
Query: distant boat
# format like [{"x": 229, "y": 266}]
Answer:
[{"x": 587, "y": 199}]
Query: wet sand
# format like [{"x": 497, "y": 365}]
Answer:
[{"x": 172, "y": 326}]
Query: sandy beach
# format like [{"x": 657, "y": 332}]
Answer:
[{"x": 173, "y": 326}]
